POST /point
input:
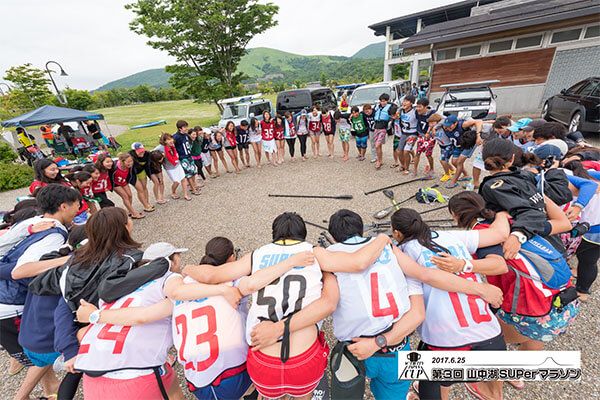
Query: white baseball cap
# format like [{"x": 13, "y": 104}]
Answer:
[{"x": 161, "y": 249}]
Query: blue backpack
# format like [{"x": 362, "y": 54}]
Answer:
[
  {"x": 548, "y": 262},
  {"x": 14, "y": 291}
]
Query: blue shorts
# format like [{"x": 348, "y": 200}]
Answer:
[
  {"x": 41, "y": 359},
  {"x": 446, "y": 152},
  {"x": 229, "y": 388},
  {"x": 545, "y": 328},
  {"x": 382, "y": 370},
  {"x": 459, "y": 151},
  {"x": 361, "y": 142}
]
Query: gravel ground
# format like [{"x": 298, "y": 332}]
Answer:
[{"x": 238, "y": 207}]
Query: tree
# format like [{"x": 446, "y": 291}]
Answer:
[
  {"x": 207, "y": 38},
  {"x": 79, "y": 99},
  {"x": 30, "y": 86}
]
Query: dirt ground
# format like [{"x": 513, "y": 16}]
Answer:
[{"x": 238, "y": 207}]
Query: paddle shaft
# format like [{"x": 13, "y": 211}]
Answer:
[
  {"x": 308, "y": 196},
  {"x": 393, "y": 186}
]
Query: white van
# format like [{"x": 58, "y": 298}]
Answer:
[
  {"x": 369, "y": 94},
  {"x": 238, "y": 109}
]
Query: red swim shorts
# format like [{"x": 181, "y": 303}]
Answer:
[{"x": 297, "y": 377}]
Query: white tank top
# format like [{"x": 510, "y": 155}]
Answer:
[
  {"x": 209, "y": 337},
  {"x": 372, "y": 300},
  {"x": 107, "y": 347},
  {"x": 290, "y": 293},
  {"x": 453, "y": 319}
]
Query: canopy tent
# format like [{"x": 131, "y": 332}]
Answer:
[{"x": 51, "y": 115}]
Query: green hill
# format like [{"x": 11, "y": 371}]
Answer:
[
  {"x": 374, "y": 50},
  {"x": 267, "y": 64}
]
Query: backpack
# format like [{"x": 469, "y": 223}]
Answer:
[
  {"x": 430, "y": 195},
  {"x": 549, "y": 263},
  {"x": 14, "y": 291}
]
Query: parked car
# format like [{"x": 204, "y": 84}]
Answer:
[
  {"x": 369, "y": 94},
  {"x": 468, "y": 100},
  {"x": 297, "y": 100},
  {"x": 238, "y": 109},
  {"x": 578, "y": 107},
  {"x": 348, "y": 89}
]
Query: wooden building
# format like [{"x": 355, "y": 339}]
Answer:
[{"x": 534, "y": 48}]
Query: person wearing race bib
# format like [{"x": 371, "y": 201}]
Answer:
[
  {"x": 230, "y": 144},
  {"x": 302, "y": 132},
  {"x": 295, "y": 365},
  {"x": 255, "y": 140},
  {"x": 121, "y": 176},
  {"x": 102, "y": 184},
  {"x": 369, "y": 117},
  {"x": 360, "y": 128},
  {"x": 405, "y": 140},
  {"x": 455, "y": 129},
  {"x": 528, "y": 315},
  {"x": 343, "y": 128},
  {"x": 267, "y": 130},
  {"x": 243, "y": 142},
  {"x": 453, "y": 320},
  {"x": 382, "y": 116},
  {"x": 290, "y": 134},
  {"x": 279, "y": 136},
  {"x": 329, "y": 130},
  {"x": 379, "y": 307},
  {"x": 315, "y": 128},
  {"x": 426, "y": 139}
]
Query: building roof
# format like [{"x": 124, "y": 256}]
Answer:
[
  {"x": 406, "y": 25},
  {"x": 499, "y": 19}
]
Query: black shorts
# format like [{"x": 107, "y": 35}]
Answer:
[
  {"x": 329, "y": 133},
  {"x": 9, "y": 339},
  {"x": 495, "y": 343},
  {"x": 242, "y": 146},
  {"x": 229, "y": 147}
]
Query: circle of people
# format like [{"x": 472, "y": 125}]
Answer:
[{"x": 253, "y": 323}]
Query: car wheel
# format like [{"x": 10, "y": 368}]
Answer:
[
  {"x": 545, "y": 114},
  {"x": 575, "y": 121}
]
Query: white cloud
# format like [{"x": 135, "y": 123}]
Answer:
[{"x": 92, "y": 40}]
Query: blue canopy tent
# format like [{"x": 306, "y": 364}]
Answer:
[{"x": 51, "y": 115}]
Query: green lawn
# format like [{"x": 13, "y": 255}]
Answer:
[{"x": 204, "y": 114}]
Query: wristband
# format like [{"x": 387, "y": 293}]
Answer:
[{"x": 468, "y": 267}]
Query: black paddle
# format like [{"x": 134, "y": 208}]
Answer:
[
  {"x": 434, "y": 209},
  {"x": 308, "y": 196},
  {"x": 315, "y": 225},
  {"x": 393, "y": 186}
]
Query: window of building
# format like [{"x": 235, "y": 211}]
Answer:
[
  {"x": 592, "y": 32},
  {"x": 446, "y": 54},
  {"x": 470, "y": 51},
  {"x": 566, "y": 36},
  {"x": 503, "y": 45},
  {"x": 529, "y": 41}
]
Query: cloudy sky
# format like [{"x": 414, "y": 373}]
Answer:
[{"x": 92, "y": 40}]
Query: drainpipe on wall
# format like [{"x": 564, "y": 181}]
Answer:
[{"x": 431, "y": 66}]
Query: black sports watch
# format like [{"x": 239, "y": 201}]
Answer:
[{"x": 381, "y": 341}]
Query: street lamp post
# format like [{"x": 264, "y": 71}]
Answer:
[
  {"x": 7, "y": 88},
  {"x": 60, "y": 97}
]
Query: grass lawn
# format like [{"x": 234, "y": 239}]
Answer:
[{"x": 204, "y": 114}]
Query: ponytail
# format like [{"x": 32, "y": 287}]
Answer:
[
  {"x": 468, "y": 207},
  {"x": 411, "y": 225},
  {"x": 217, "y": 251}
]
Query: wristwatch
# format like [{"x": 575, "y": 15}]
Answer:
[
  {"x": 468, "y": 267},
  {"x": 380, "y": 341},
  {"x": 94, "y": 317},
  {"x": 520, "y": 236}
]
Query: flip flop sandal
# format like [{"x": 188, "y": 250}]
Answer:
[
  {"x": 175, "y": 197},
  {"x": 464, "y": 179},
  {"x": 474, "y": 390},
  {"x": 162, "y": 202},
  {"x": 196, "y": 193},
  {"x": 149, "y": 210},
  {"x": 187, "y": 198},
  {"x": 138, "y": 217},
  {"x": 518, "y": 385},
  {"x": 394, "y": 165},
  {"x": 16, "y": 371}
]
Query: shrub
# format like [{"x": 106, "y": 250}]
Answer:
[
  {"x": 7, "y": 154},
  {"x": 14, "y": 176}
]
